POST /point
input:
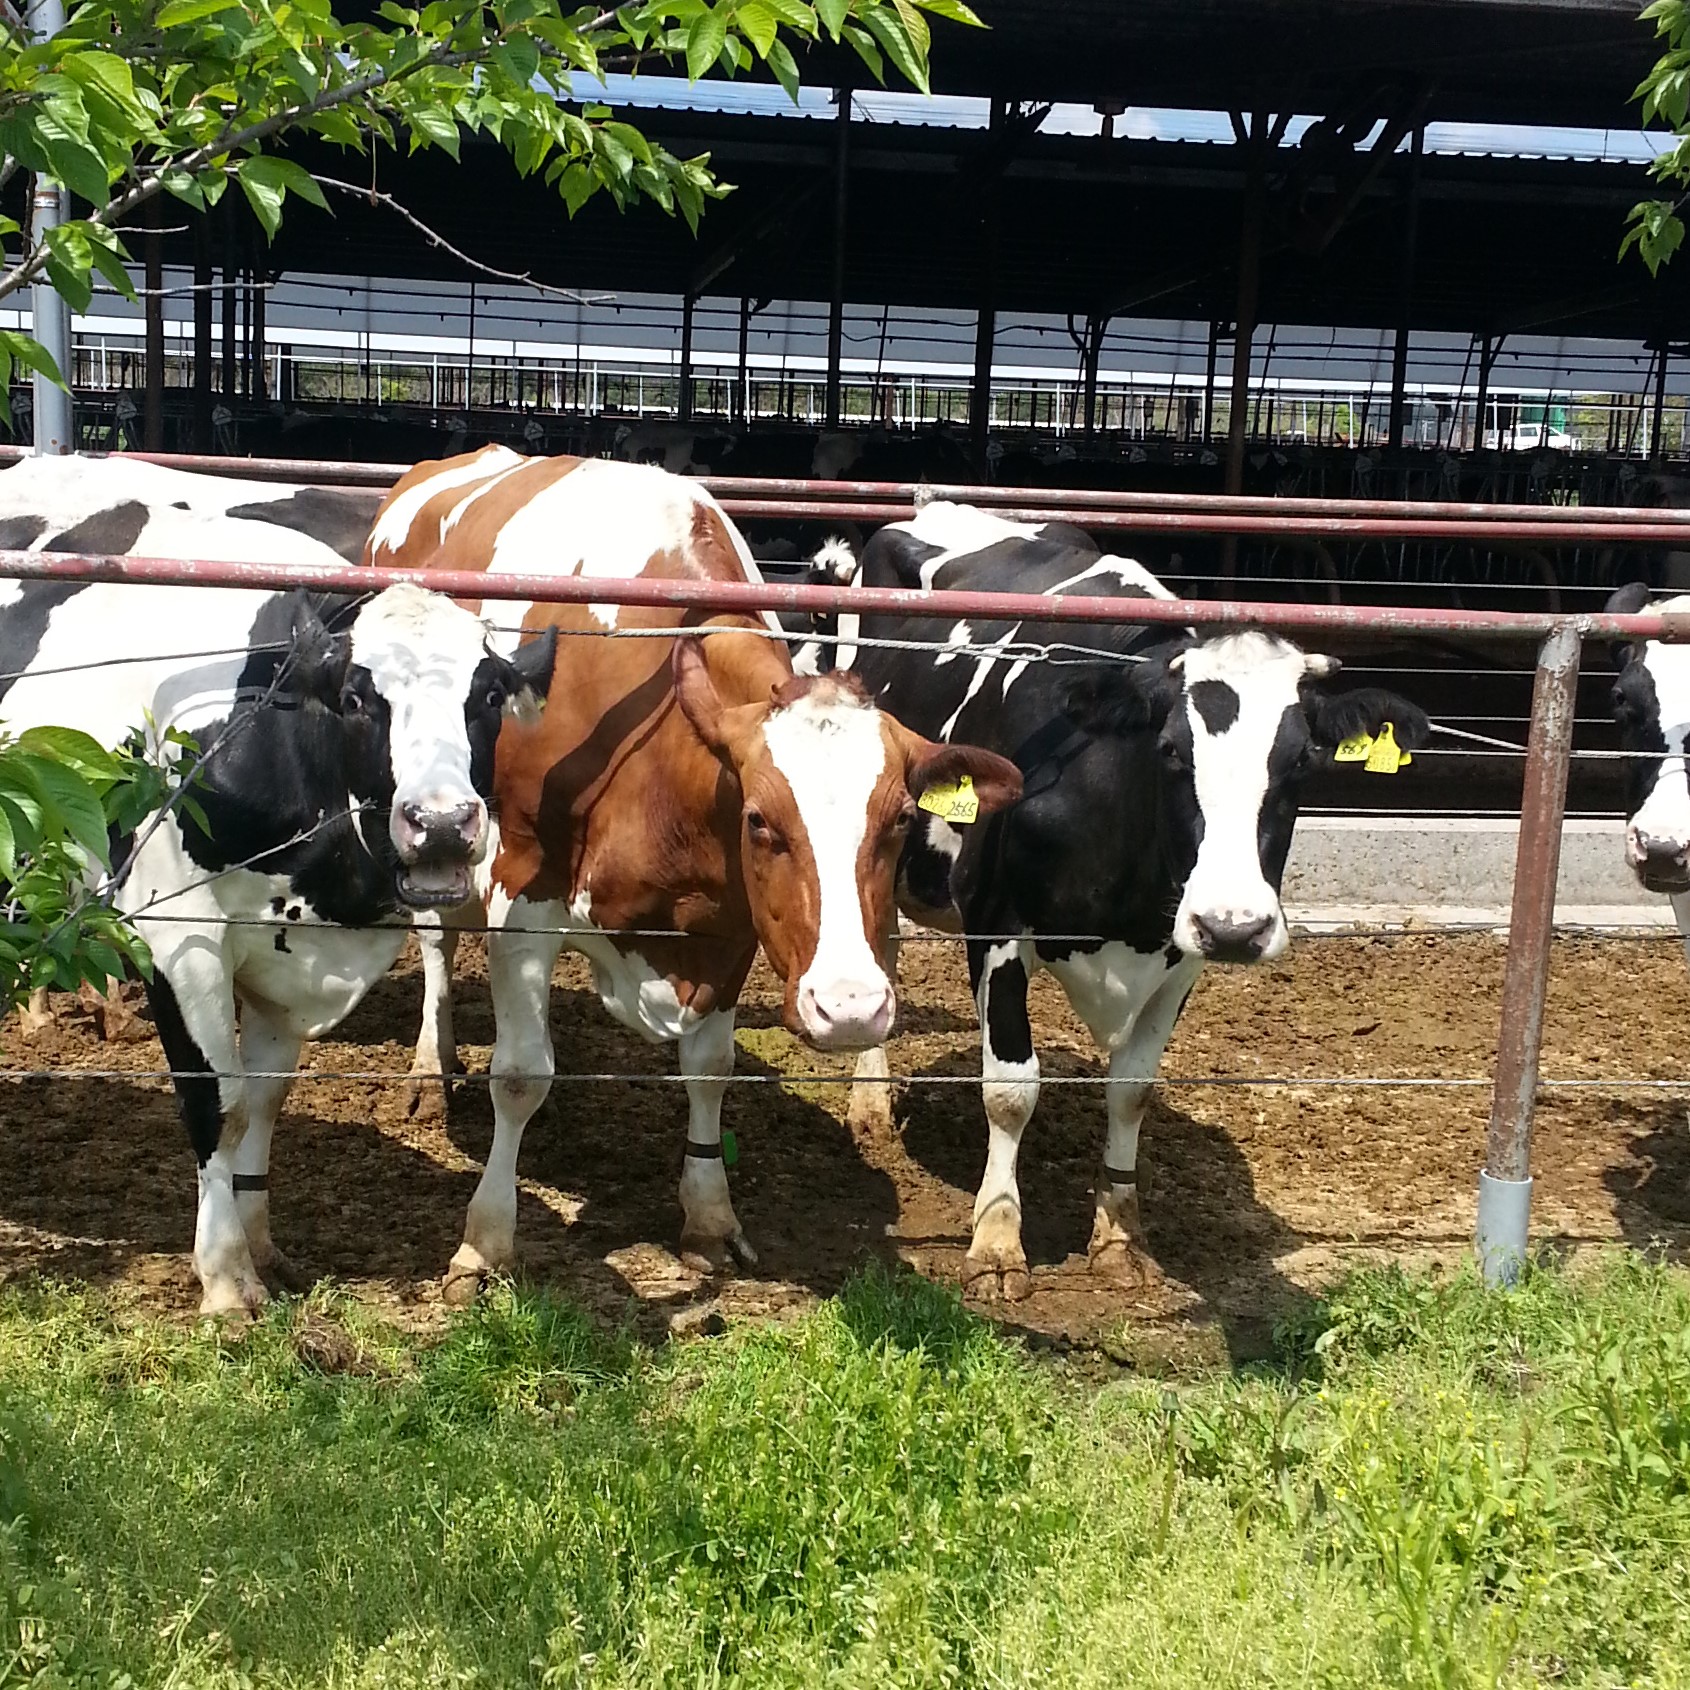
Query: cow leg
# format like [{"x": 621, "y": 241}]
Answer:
[
  {"x": 519, "y": 969},
  {"x": 194, "y": 1009},
  {"x": 1680, "y": 914},
  {"x": 269, "y": 1056},
  {"x": 1119, "y": 1251},
  {"x": 428, "y": 1087},
  {"x": 869, "y": 1114},
  {"x": 997, "y": 1265},
  {"x": 710, "y": 1231}
]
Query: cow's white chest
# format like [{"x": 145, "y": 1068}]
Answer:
[
  {"x": 312, "y": 971},
  {"x": 629, "y": 987},
  {"x": 1110, "y": 986}
]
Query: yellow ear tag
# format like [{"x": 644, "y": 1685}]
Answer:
[
  {"x": 1387, "y": 756},
  {"x": 952, "y": 801},
  {"x": 1354, "y": 750}
]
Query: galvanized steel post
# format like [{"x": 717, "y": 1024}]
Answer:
[
  {"x": 55, "y": 424},
  {"x": 1505, "y": 1185}
]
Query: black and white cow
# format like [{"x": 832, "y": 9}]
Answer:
[
  {"x": 348, "y": 745},
  {"x": 1651, "y": 705},
  {"x": 1161, "y": 788}
]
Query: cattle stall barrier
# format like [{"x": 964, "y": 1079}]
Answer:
[{"x": 1505, "y": 1180}]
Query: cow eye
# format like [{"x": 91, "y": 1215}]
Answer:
[
  {"x": 757, "y": 825},
  {"x": 1172, "y": 756},
  {"x": 495, "y": 699},
  {"x": 901, "y": 821},
  {"x": 1623, "y": 711},
  {"x": 351, "y": 702}
]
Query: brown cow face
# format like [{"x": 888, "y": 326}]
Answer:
[{"x": 828, "y": 785}]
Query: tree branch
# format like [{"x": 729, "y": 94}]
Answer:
[{"x": 374, "y": 196}]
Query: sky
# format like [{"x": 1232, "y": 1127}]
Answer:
[{"x": 1142, "y": 123}]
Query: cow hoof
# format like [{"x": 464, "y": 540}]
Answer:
[
  {"x": 462, "y": 1286},
  {"x": 998, "y": 1278},
  {"x": 1125, "y": 1266},
  {"x": 280, "y": 1276},
  {"x": 233, "y": 1299},
  {"x": 717, "y": 1255},
  {"x": 427, "y": 1100}
]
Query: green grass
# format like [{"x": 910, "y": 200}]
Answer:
[{"x": 1432, "y": 1487}]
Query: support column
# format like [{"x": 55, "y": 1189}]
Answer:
[
  {"x": 152, "y": 403},
  {"x": 986, "y": 322},
  {"x": 742, "y": 381},
  {"x": 1249, "y": 292},
  {"x": 683, "y": 404},
  {"x": 1657, "y": 439},
  {"x": 231, "y": 273},
  {"x": 54, "y": 412},
  {"x": 203, "y": 285},
  {"x": 260, "y": 346},
  {"x": 1405, "y": 290},
  {"x": 1506, "y": 1182},
  {"x": 841, "y": 210},
  {"x": 1487, "y": 358},
  {"x": 1209, "y": 380}
]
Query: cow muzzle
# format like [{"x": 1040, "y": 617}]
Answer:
[
  {"x": 847, "y": 1015},
  {"x": 1660, "y": 864},
  {"x": 438, "y": 844},
  {"x": 1232, "y": 935}
]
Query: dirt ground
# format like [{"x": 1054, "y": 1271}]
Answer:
[{"x": 1251, "y": 1194}]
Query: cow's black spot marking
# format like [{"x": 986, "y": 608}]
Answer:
[
  {"x": 180, "y": 505},
  {"x": 1216, "y": 703},
  {"x": 1007, "y": 1027},
  {"x": 196, "y": 1085},
  {"x": 115, "y": 530},
  {"x": 17, "y": 533},
  {"x": 1173, "y": 956},
  {"x": 277, "y": 905},
  {"x": 23, "y": 625},
  {"x": 340, "y": 519},
  {"x": 295, "y": 913},
  {"x": 282, "y": 943}
]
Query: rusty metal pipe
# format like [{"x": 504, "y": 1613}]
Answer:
[
  {"x": 1505, "y": 1183},
  {"x": 749, "y": 598}
]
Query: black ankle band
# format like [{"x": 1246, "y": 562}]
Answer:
[
  {"x": 704, "y": 1152},
  {"x": 1120, "y": 1176},
  {"x": 251, "y": 1182}
]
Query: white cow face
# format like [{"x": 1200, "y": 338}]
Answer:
[
  {"x": 1238, "y": 726},
  {"x": 423, "y": 698},
  {"x": 1651, "y": 705}
]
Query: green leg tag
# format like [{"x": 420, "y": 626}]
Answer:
[{"x": 730, "y": 1149}]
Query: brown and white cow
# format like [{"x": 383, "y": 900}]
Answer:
[{"x": 678, "y": 801}]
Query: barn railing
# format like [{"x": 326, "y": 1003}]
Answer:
[{"x": 1505, "y": 1181}]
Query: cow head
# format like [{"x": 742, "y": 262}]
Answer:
[
  {"x": 1239, "y": 725},
  {"x": 421, "y": 698},
  {"x": 1651, "y": 703},
  {"x": 828, "y": 787}
]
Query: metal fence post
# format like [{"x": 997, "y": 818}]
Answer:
[{"x": 1505, "y": 1185}]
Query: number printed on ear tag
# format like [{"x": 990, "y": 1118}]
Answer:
[
  {"x": 952, "y": 801},
  {"x": 1354, "y": 750},
  {"x": 1387, "y": 756}
]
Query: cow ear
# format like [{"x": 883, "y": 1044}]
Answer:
[
  {"x": 531, "y": 669},
  {"x": 1127, "y": 700},
  {"x": 722, "y": 727},
  {"x": 1628, "y": 601},
  {"x": 317, "y": 659},
  {"x": 996, "y": 780},
  {"x": 1335, "y": 717}
]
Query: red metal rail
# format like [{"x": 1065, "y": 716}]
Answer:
[
  {"x": 748, "y": 597},
  {"x": 880, "y": 501}
]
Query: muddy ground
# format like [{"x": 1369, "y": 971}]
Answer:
[{"x": 1251, "y": 1194}]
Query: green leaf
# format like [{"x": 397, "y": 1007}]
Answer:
[
  {"x": 79, "y": 809},
  {"x": 786, "y": 72},
  {"x": 759, "y": 24},
  {"x": 832, "y": 14},
  {"x": 952, "y": 9},
  {"x": 888, "y": 29},
  {"x": 795, "y": 14},
  {"x": 21, "y": 349},
  {"x": 915, "y": 27},
  {"x": 76, "y": 750},
  {"x": 437, "y": 125},
  {"x": 191, "y": 11},
  {"x": 518, "y": 58},
  {"x": 704, "y": 43},
  {"x": 866, "y": 50}
]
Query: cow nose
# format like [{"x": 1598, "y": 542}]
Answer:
[
  {"x": 1230, "y": 939},
  {"x": 1659, "y": 862},
  {"x": 846, "y": 1017},
  {"x": 449, "y": 827}
]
